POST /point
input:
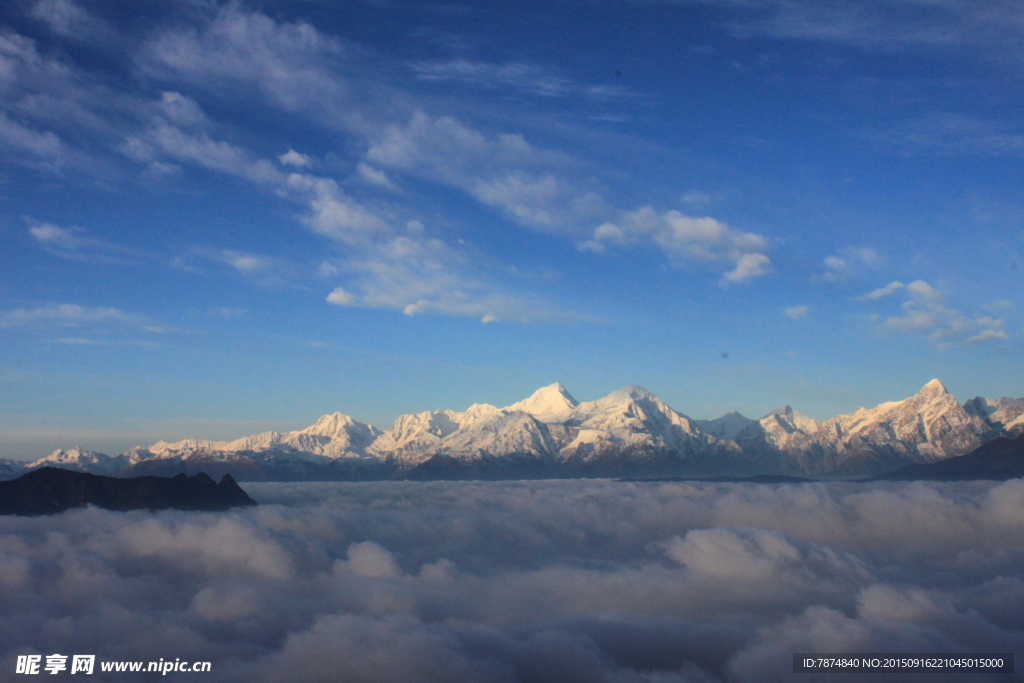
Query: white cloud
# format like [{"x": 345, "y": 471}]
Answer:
[
  {"x": 797, "y": 312},
  {"x": 181, "y": 110},
  {"x": 500, "y": 581},
  {"x": 375, "y": 176},
  {"x": 882, "y": 291},
  {"x": 339, "y": 296},
  {"x": 527, "y": 78},
  {"x": 368, "y": 559},
  {"x": 873, "y": 25},
  {"x": 533, "y": 186},
  {"x": 748, "y": 266},
  {"x": 293, "y": 158},
  {"x": 61, "y": 314},
  {"x": 686, "y": 239},
  {"x": 847, "y": 263},
  {"x": 952, "y": 135},
  {"x": 218, "y": 155},
  {"x": 924, "y": 310},
  {"x": 925, "y": 292},
  {"x": 292, "y": 63},
  {"x": 50, "y": 235},
  {"x": 417, "y": 275},
  {"x": 68, "y": 19},
  {"x": 20, "y": 137},
  {"x": 989, "y": 321},
  {"x": 403, "y": 273},
  {"x": 1000, "y": 305},
  {"x": 538, "y": 188},
  {"x": 987, "y": 335},
  {"x": 333, "y": 213},
  {"x": 74, "y": 244}
]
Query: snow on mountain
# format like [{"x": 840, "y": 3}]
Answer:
[
  {"x": 633, "y": 414},
  {"x": 414, "y": 437},
  {"x": 548, "y": 426},
  {"x": 81, "y": 460},
  {"x": 548, "y": 400},
  {"x": 726, "y": 427},
  {"x": 506, "y": 433},
  {"x": 1004, "y": 413},
  {"x": 629, "y": 432},
  {"x": 331, "y": 436},
  {"x": 1015, "y": 427},
  {"x": 931, "y": 425}
]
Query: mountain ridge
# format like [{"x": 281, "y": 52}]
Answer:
[{"x": 628, "y": 432}]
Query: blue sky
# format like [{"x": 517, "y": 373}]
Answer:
[{"x": 219, "y": 218}]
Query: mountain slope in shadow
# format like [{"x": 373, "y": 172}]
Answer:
[
  {"x": 998, "y": 460},
  {"x": 49, "y": 490}
]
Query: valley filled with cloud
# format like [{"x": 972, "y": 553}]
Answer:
[{"x": 586, "y": 580}]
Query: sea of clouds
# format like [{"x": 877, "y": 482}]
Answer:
[{"x": 561, "y": 581}]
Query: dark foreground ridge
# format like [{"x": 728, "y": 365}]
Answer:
[
  {"x": 998, "y": 460},
  {"x": 49, "y": 490}
]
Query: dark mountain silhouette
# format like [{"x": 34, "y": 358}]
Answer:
[
  {"x": 49, "y": 490},
  {"x": 998, "y": 460}
]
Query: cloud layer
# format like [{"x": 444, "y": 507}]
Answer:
[{"x": 523, "y": 581}]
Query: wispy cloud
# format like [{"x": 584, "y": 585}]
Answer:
[
  {"x": 520, "y": 76},
  {"x": 879, "y": 25},
  {"x": 293, "y": 158},
  {"x": 415, "y": 275},
  {"x": 264, "y": 270},
  {"x": 847, "y": 263},
  {"x": 951, "y": 135},
  {"x": 924, "y": 310},
  {"x": 987, "y": 335},
  {"x": 62, "y": 315},
  {"x": 797, "y": 312},
  {"x": 75, "y": 244},
  {"x": 531, "y": 185},
  {"x": 687, "y": 239},
  {"x": 70, "y": 20},
  {"x": 298, "y": 69},
  {"x": 881, "y": 292}
]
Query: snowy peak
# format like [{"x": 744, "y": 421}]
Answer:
[
  {"x": 631, "y": 392},
  {"x": 931, "y": 393},
  {"x": 787, "y": 420},
  {"x": 633, "y": 414},
  {"x": 332, "y": 425},
  {"x": 546, "y": 401},
  {"x": 630, "y": 426},
  {"x": 332, "y": 436},
  {"x": 726, "y": 427},
  {"x": 79, "y": 459}
]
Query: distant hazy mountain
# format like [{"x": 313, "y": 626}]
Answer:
[
  {"x": 81, "y": 460},
  {"x": 726, "y": 427},
  {"x": 629, "y": 432}
]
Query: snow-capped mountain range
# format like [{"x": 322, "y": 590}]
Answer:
[{"x": 629, "y": 432}]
